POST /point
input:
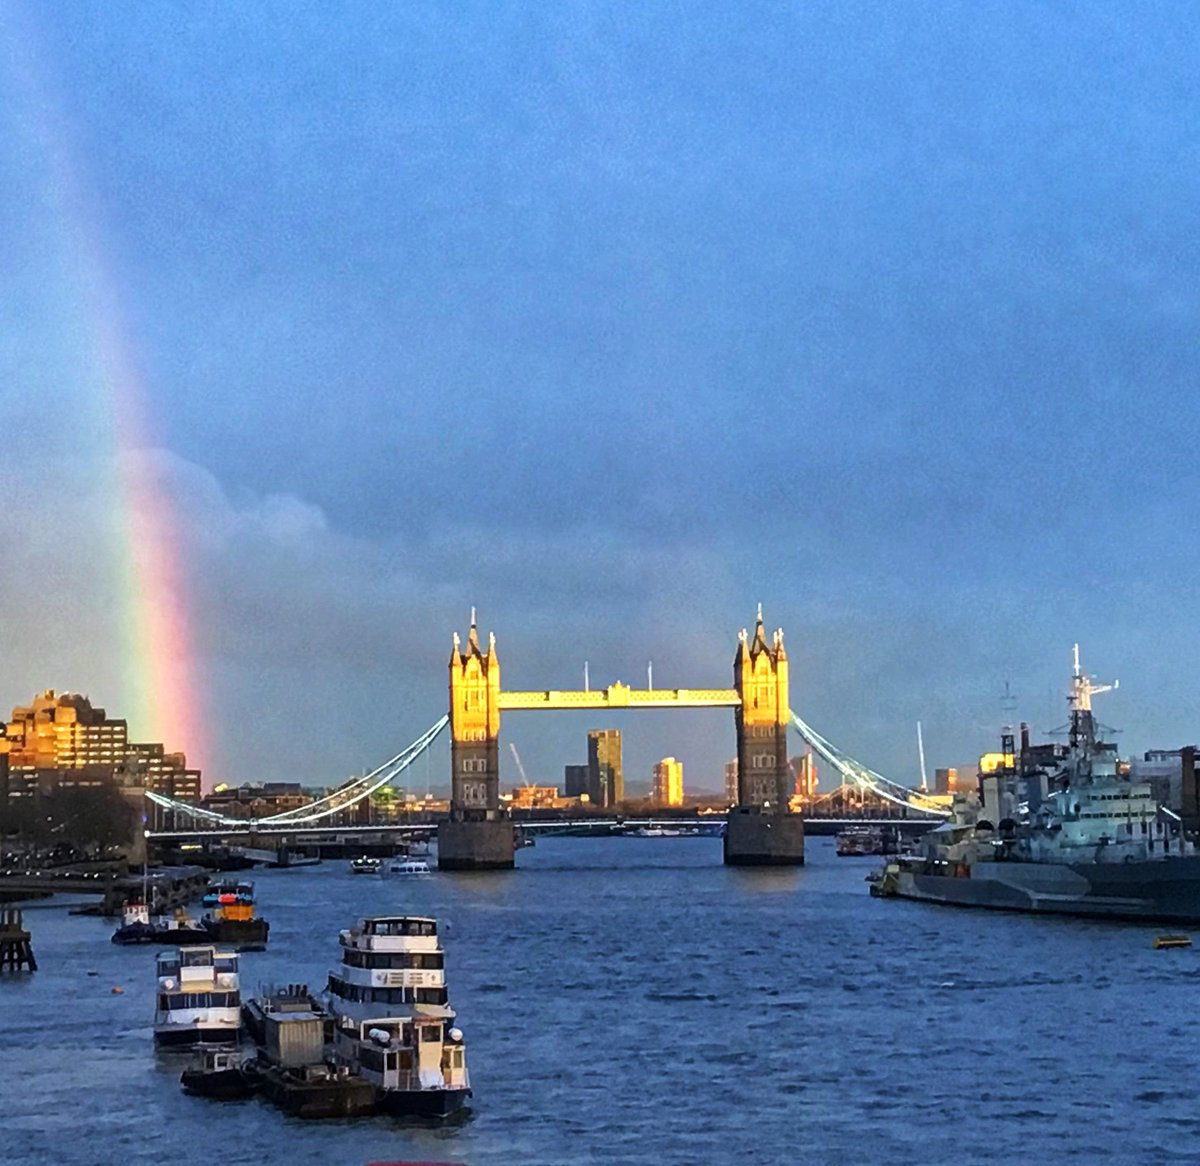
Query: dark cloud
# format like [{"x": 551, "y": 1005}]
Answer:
[{"x": 612, "y": 322}]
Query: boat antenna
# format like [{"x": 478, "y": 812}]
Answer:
[{"x": 921, "y": 754}]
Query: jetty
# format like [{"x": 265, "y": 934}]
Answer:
[{"x": 16, "y": 950}]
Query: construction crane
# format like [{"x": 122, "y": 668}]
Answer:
[{"x": 520, "y": 767}]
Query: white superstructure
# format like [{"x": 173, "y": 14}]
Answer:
[
  {"x": 199, "y": 996},
  {"x": 392, "y": 1020}
]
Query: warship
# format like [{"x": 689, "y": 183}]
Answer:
[{"x": 1060, "y": 829}]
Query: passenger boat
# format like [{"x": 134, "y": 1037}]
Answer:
[
  {"x": 410, "y": 866},
  {"x": 199, "y": 998},
  {"x": 365, "y": 864},
  {"x": 393, "y": 1025},
  {"x": 859, "y": 840},
  {"x": 1059, "y": 829},
  {"x": 217, "y": 1072}
]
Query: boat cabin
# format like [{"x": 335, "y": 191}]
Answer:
[{"x": 414, "y": 1053}]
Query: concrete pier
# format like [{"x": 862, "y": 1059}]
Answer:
[
  {"x": 480, "y": 844},
  {"x": 760, "y": 838}
]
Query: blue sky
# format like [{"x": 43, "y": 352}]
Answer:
[{"x": 615, "y": 320}]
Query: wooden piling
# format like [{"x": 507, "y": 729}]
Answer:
[{"x": 16, "y": 952}]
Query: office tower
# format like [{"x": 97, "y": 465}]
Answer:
[
  {"x": 668, "y": 782},
  {"x": 606, "y": 785}
]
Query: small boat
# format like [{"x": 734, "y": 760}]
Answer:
[
  {"x": 410, "y": 866},
  {"x": 860, "y": 840},
  {"x": 216, "y": 1071},
  {"x": 1161, "y": 941},
  {"x": 365, "y": 864}
]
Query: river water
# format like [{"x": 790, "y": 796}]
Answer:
[{"x": 631, "y": 1000}]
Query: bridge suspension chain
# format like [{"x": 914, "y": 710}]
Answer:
[
  {"x": 855, "y": 773},
  {"x": 332, "y": 803}
]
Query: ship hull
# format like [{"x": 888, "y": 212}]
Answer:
[
  {"x": 1165, "y": 890},
  {"x": 436, "y": 1103}
]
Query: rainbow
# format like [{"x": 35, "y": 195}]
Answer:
[{"x": 160, "y": 698}]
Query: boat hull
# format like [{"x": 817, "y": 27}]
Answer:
[
  {"x": 191, "y": 1035},
  {"x": 1165, "y": 890},
  {"x": 222, "y": 1085},
  {"x": 314, "y": 1100},
  {"x": 438, "y": 1103}
]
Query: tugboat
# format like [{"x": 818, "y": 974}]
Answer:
[
  {"x": 1060, "y": 830},
  {"x": 199, "y": 998},
  {"x": 392, "y": 1020},
  {"x": 216, "y": 1072}
]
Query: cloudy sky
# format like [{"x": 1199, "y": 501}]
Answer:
[{"x": 613, "y": 320}]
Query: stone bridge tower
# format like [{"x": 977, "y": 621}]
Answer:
[
  {"x": 761, "y": 830},
  {"x": 479, "y": 834}
]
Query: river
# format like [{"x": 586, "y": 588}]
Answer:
[{"x": 631, "y": 1000}]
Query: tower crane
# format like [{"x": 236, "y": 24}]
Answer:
[{"x": 520, "y": 767}]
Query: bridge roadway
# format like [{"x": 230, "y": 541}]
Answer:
[{"x": 816, "y": 826}]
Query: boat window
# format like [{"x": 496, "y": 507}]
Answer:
[
  {"x": 196, "y": 959},
  {"x": 227, "y": 964},
  {"x": 431, "y": 1032}
]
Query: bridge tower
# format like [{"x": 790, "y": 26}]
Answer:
[
  {"x": 479, "y": 833},
  {"x": 761, "y": 831}
]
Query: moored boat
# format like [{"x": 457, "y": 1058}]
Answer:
[
  {"x": 393, "y": 1025},
  {"x": 199, "y": 998},
  {"x": 365, "y": 864},
  {"x": 1060, "y": 830},
  {"x": 216, "y": 1072}
]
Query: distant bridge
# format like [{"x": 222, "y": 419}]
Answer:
[{"x": 304, "y": 820}]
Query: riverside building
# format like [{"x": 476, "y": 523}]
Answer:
[
  {"x": 606, "y": 784},
  {"x": 61, "y": 740},
  {"x": 668, "y": 782}
]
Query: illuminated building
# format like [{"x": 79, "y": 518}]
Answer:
[
  {"x": 805, "y": 769},
  {"x": 63, "y": 741},
  {"x": 606, "y": 784},
  {"x": 257, "y": 801},
  {"x": 668, "y": 782},
  {"x": 529, "y": 797}
]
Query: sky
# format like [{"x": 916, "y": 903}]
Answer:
[{"x": 320, "y": 324}]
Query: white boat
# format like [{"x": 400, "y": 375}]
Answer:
[
  {"x": 199, "y": 997},
  {"x": 392, "y": 1020},
  {"x": 410, "y": 866},
  {"x": 366, "y": 865}
]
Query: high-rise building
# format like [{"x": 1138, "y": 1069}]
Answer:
[
  {"x": 62, "y": 740},
  {"x": 668, "y": 782},
  {"x": 575, "y": 780},
  {"x": 606, "y": 785},
  {"x": 731, "y": 782}
]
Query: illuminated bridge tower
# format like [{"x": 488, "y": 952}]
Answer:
[
  {"x": 478, "y": 834},
  {"x": 761, "y": 831}
]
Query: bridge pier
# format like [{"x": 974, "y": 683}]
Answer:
[
  {"x": 485, "y": 844},
  {"x": 763, "y": 839},
  {"x": 761, "y": 831}
]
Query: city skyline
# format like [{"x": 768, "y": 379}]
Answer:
[{"x": 614, "y": 323}]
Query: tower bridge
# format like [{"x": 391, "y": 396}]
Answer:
[
  {"x": 761, "y": 830},
  {"x": 480, "y": 834}
]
